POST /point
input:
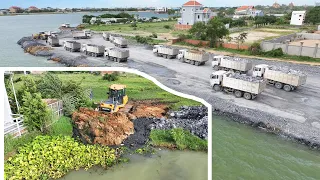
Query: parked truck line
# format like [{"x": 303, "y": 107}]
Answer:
[
  {"x": 193, "y": 57},
  {"x": 167, "y": 52},
  {"x": 120, "y": 42},
  {"x": 116, "y": 54},
  {"x": 84, "y": 34},
  {"x": 92, "y": 50},
  {"x": 72, "y": 46},
  {"x": 234, "y": 64}
]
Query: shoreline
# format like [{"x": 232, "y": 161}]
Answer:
[{"x": 258, "y": 118}]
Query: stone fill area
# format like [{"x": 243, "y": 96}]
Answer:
[{"x": 132, "y": 129}]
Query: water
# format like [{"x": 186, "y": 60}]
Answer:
[
  {"x": 177, "y": 165},
  {"x": 242, "y": 152},
  {"x": 15, "y": 27}
]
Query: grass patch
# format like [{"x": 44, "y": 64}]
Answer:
[
  {"x": 138, "y": 88},
  {"x": 62, "y": 127},
  {"x": 178, "y": 138},
  {"x": 150, "y": 27}
]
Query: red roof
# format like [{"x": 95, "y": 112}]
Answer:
[
  {"x": 192, "y": 3},
  {"x": 15, "y": 7},
  {"x": 33, "y": 7},
  {"x": 244, "y": 8}
]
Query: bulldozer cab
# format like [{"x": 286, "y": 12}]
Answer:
[{"x": 117, "y": 98}]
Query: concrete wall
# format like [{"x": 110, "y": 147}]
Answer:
[
  {"x": 307, "y": 51},
  {"x": 294, "y": 50},
  {"x": 311, "y": 36}
]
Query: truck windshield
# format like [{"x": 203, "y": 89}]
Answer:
[{"x": 257, "y": 69}]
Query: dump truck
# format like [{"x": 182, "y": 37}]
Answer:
[
  {"x": 193, "y": 57},
  {"x": 106, "y": 36},
  {"x": 120, "y": 42},
  {"x": 117, "y": 99},
  {"x": 116, "y": 54},
  {"x": 280, "y": 77},
  {"x": 235, "y": 64},
  {"x": 167, "y": 52},
  {"x": 92, "y": 50},
  {"x": 84, "y": 34},
  {"x": 72, "y": 46},
  {"x": 112, "y": 36},
  {"x": 240, "y": 85},
  {"x": 53, "y": 41}
]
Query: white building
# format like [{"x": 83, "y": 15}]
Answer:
[
  {"x": 297, "y": 17},
  {"x": 246, "y": 11},
  {"x": 161, "y": 10},
  {"x": 192, "y": 12}
]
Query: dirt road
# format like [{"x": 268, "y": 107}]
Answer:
[{"x": 294, "y": 114}]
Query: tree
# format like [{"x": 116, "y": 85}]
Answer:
[
  {"x": 35, "y": 112},
  {"x": 241, "y": 38},
  {"x": 28, "y": 85},
  {"x": 215, "y": 30},
  {"x": 313, "y": 15},
  {"x": 171, "y": 11}
]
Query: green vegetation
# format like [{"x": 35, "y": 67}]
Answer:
[
  {"x": 313, "y": 15},
  {"x": 61, "y": 127},
  {"x": 177, "y": 138},
  {"x": 111, "y": 77},
  {"x": 148, "y": 27},
  {"x": 125, "y": 16},
  {"x": 214, "y": 31},
  {"x": 11, "y": 144},
  {"x": 51, "y": 157}
]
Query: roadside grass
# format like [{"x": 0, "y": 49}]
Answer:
[
  {"x": 177, "y": 138},
  {"x": 152, "y": 41},
  {"x": 150, "y": 27},
  {"x": 138, "y": 88},
  {"x": 62, "y": 127}
]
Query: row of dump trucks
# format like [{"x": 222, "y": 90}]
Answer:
[
  {"x": 228, "y": 78},
  {"x": 116, "y": 54},
  {"x": 116, "y": 39},
  {"x": 84, "y": 34},
  {"x": 184, "y": 55}
]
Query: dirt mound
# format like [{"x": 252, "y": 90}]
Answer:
[
  {"x": 39, "y": 50},
  {"x": 142, "y": 109},
  {"x": 102, "y": 128}
]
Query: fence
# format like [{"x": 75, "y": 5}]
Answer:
[
  {"x": 16, "y": 127},
  {"x": 207, "y": 43}
]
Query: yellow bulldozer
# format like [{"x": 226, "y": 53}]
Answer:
[
  {"x": 40, "y": 35},
  {"x": 117, "y": 99}
]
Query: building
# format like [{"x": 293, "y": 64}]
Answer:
[
  {"x": 15, "y": 9},
  {"x": 276, "y": 5},
  {"x": 193, "y": 12},
  {"x": 297, "y": 17},
  {"x": 33, "y": 8},
  {"x": 246, "y": 11},
  {"x": 161, "y": 10},
  {"x": 4, "y": 12},
  {"x": 291, "y": 5}
]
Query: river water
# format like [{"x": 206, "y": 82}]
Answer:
[
  {"x": 165, "y": 165},
  {"x": 15, "y": 27},
  {"x": 239, "y": 152}
]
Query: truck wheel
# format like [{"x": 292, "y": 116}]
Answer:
[
  {"x": 247, "y": 96},
  {"x": 197, "y": 63},
  {"x": 238, "y": 94},
  {"x": 287, "y": 88},
  {"x": 217, "y": 87},
  {"x": 278, "y": 85}
]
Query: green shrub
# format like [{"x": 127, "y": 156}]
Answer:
[
  {"x": 274, "y": 53},
  {"x": 111, "y": 77},
  {"x": 51, "y": 157},
  {"x": 255, "y": 49},
  {"x": 133, "y": 25},
  {"x": 179, "y": 138},
  {"x": 154, "y": 35},
  {"x": 166, "y": 26}
]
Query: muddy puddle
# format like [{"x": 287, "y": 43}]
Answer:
[{"x": 165, "y": 165}]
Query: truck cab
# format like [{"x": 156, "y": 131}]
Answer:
[
  {"x": 87, "y": 32},
  {"x": 259, "y": 70},
  {"x": 107, "y": 51},
  {"x": 83, "y": 47},
  {"x": 216, "y": 78},
  {"x": 155, "y": 48},
  {"x": 216, "y": 60},
  {"x": 181, "y": 53}
]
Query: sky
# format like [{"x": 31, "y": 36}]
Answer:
[{"x": 139, "y": 3}]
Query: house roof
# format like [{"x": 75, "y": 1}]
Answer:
[
  {"x": 241, "y": 8},
  {"x": 192, "y": 3},
  {"x": 15, "y": 7},
  {"x": 33, "y": 7},
  {"x": 206, "y": 10}
]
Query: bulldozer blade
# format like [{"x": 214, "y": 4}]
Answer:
[{"x": 127, "y": 108}]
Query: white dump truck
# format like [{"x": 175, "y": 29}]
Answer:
[
  {"x": 53, "y": 41},
  {"x": 193, "y": 57},
  {"x": 116, "y": 54},
  {"x": 106, "y": 36},
  {"x": 235, "y": 64},
  {"x": 84, "y": 34},
  {"x": 120, "y": 42},
  {"x": 167, "y": 52},
  {"x": 280, "y": 77},
  {"x": 112, "y": 36},
  {"x": 72, "y": 46},
  {"x": 240, "y": 85},
  {"x": 92, "y": 50}
]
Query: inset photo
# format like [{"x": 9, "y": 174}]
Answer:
[{"x": 102, "y": 125}]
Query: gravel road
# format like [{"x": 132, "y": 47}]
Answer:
[{"x": 292, "y": 114}]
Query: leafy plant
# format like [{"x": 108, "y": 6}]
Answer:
[
  {"x": 111, "y": 77},
  {"x": 53, "y": 156},
  {"x": 166, "y": 26},
  {"x": 255, "y": 48},
  {"x": 274, "y": 53},
  {"x": 154, "y": 35}
]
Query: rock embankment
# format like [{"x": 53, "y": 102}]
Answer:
[{"x": 33, "y": 47}]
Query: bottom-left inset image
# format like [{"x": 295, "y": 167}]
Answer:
[{"x": 99, "y": 125}]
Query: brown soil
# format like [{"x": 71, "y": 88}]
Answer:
[
  {"x": 33, "y": 49},
  {"x": 102, "y": 128},
  {"x": 113, "y": 128},
  {"x": 143, "y": 109}
]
